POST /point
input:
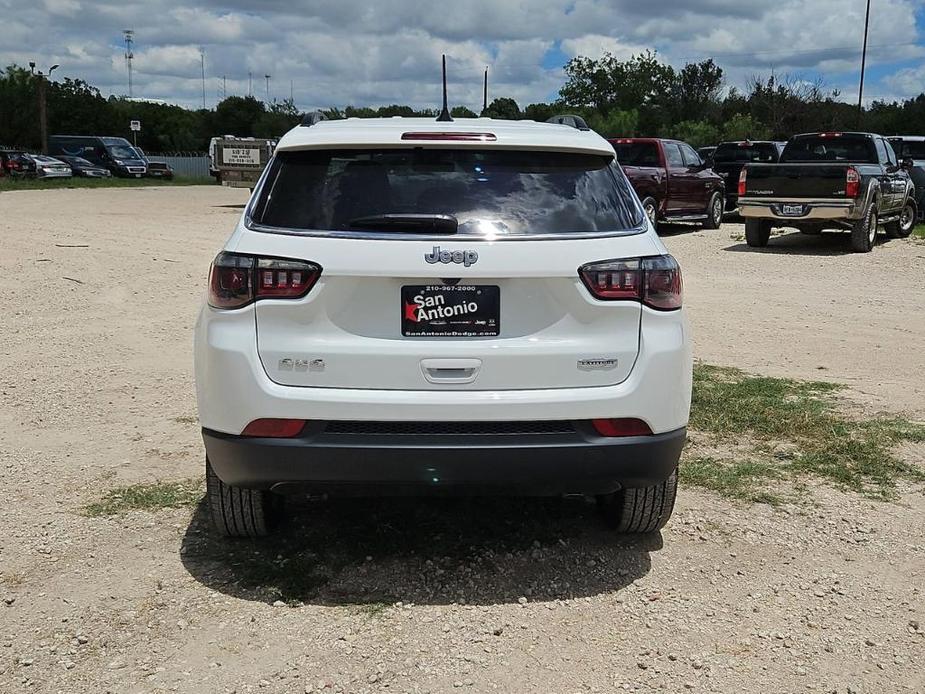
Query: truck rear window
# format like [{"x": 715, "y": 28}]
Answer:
[
  {"x": 848, "y": 148},
  {"x": 489, "y": 192},
  {"x": 637, "y": 154},
  {"x": 739, "y": 151}
]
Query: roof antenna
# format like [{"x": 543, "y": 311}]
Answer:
[
  {"x": 445, "y": 113},
  {"x": 485, "y": 93}
]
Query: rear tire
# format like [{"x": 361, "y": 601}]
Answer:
[
  {"x": 902, "y": 227},
  {"x": 642, "y": 510},
  {"x": 757, "y": 232},
  {"x": 238, "y": 512},
  {"x": 650, "y": 207},
  {"x": 864, "y": 232},
  {"x": 715, "y": 210}
]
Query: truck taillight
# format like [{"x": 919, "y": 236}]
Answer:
[
  {"x": 852, "y": 183},
  {"x": 236, "y": 280},
  {"x": 655, "y": 282},
  {"x": 743, "y": 178}
]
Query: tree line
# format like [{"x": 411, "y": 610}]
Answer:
[{"x": 638, "y": 96}]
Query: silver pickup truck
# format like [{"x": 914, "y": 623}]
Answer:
[{"x": 843, "y": 181}]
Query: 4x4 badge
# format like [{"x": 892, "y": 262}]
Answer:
[{"x": 466, "y": 258}]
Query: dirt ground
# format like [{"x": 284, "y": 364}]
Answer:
[{"x": 99, "y": 291}]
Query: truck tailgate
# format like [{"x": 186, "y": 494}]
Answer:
[{"x": 811, "y": 181}]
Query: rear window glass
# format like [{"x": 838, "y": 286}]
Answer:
[
  {"x": 754, "y": 152},
  {"x": 906, "y": 149},
  {"x": 853, "y": 148},
  {"x": 491, "y": 192},
  {"x": 637, "y": 154}
]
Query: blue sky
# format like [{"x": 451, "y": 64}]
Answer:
[{"x": 372, "y": 53}]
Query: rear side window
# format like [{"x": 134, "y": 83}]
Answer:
[
  {"x": 490, "y": 192},
  {"x": 746, "y": 152},
  {"x": 673, "y": 156},
  {"x": 637, "y": 154},
  {"x": 850, "y": 148}
]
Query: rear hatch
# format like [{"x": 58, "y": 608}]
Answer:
[{"x": 471, "y": 284}]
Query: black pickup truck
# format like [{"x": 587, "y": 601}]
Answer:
[{"x": 851, "y": 181}]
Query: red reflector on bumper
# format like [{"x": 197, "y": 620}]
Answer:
[
  {"x": 621, "y": 427},
  {"x": 274, "y": 428}
]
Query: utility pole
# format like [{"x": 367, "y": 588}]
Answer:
[
  {"x": 202, "y": 65},
  {"x": 250, "y": 83},
  {"x": 268, "y": 88},
  {"x": 863, "y": 65},
  {"x": 291, "y": 97},
  {"x": 224, "y": 87},
  {"x": 43, "y": 112},
  {"x": 129, "y": 36}
]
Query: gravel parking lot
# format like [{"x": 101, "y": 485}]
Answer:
[{"x": 100, "y": 289}]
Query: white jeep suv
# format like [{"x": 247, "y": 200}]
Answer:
[{"x": 475, "y": 306}]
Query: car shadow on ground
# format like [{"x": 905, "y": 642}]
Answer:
[
  {"x": 679, "y": 228},
  {"x": 796, "y": 243},
  {"x": 422, "y": 551},
  {"x": 230, "y": 207}
]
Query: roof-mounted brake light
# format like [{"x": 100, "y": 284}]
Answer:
[
  {"x": 830, "y": 134},
  {"x": 444, "y": 136}
]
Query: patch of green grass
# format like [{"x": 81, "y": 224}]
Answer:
[
  {"x": 821, "y": 441},
  {"x": 147, "y": 497},
  {"x": 11, "y": 184},
  {"x": 919, "y": 231}
]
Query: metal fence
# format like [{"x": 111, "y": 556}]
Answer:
[{"x": 195, "y": 166}]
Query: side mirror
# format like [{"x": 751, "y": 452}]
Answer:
[{"x": 907, "y": 164}]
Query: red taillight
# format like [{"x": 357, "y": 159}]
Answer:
[
  {"x": 743, "y": 179},
  {"x": 458, "y": 137},
  {"x": 852, "y": 183},
  {"x": 656, "y": 282},
  {"x": 274, "y": 428},
  {"x": 614, "y": 428},
  {"x": 236, "y": 280}
]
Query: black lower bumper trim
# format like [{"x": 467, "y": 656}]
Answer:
[{"x": 579, "y": 462}]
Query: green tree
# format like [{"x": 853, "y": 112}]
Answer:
[
  {"x": 743, "y": 127},
  {"x": 608, "y": 83},
  {"x": 237, "y": 115},
  {"x": 503, "y": 108},
  {"x": 615, "y": 123},
  {"x": 463, "y": 112},
  {"x": 280, "y": 118},
  {"x": 696, "y": 133}
]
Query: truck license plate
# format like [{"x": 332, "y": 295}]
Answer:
[{"x": 792, "y": 210}]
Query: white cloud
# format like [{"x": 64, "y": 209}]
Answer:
[{"x": 595, "y": 45}]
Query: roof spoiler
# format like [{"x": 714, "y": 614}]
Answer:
[
  {"x": 312, "y": 118},
  {"x": 570, "y": 120}
]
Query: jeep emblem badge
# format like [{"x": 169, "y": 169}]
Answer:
[{"x": 465, "y": 258}]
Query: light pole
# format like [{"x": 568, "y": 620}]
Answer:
[
  {"x": 268, "y": 87},
  {"x": 863, "y": 65},
  {"x": 43, "y": 114}
]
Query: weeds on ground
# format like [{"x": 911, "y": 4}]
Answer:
[
  {"x": 919, "y": 231},
  {"x": 11, "y": 184},
  {"x": 147, "y": 497},
  {"x": 795, "y": 430}
]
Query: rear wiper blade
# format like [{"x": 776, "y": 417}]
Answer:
[{"x": 412, "y": 223}]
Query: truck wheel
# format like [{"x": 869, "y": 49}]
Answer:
[
  {"x": 650, "y": 207},
  {"x": 757, "y": 232},
  {"x": 864, "y": 232},
  {"x": 714, "y": 212},
  {"x": 238, "y": 512},
  {"x": 642, "y": 510},
  {"x": 902, "y": 227}
]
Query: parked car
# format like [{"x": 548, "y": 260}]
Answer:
[
  {"x": 156, "y": 169},
  {"x": 49, "y": 167},
  {"x": 84, "y": 168},
  {"x": 731, "y": 157},
  {"x": 830, "y": 180},
  {"x": 366, "y": 333},
  {"x": 16, "y": 164},
  {"x": 113, "y": 153},
  {"x": 912, "y": 147},
  {"x": 672, "y": 181}
]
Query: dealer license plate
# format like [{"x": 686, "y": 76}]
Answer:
[{"x": 450, "y": 311}]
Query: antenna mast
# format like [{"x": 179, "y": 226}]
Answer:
[
  {"x": 129, "y": 36},
  {"x": 445, "y": 113},
  {"x": 485, "y": 93}
]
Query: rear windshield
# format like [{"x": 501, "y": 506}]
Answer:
[
  {"x": 751, "y": 152},
  {"x": 906, "y": 149},
  {"x": 491, "y": 192},
  {"x": 853, "y": 148},
  {"x": 637, "y": 154}
]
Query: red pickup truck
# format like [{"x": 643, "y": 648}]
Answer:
[{"x": 672, "y": 181}]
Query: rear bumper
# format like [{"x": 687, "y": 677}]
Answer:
[
  {"x": 841, "y": 209},
  {"x": 538, "y": 464}
]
